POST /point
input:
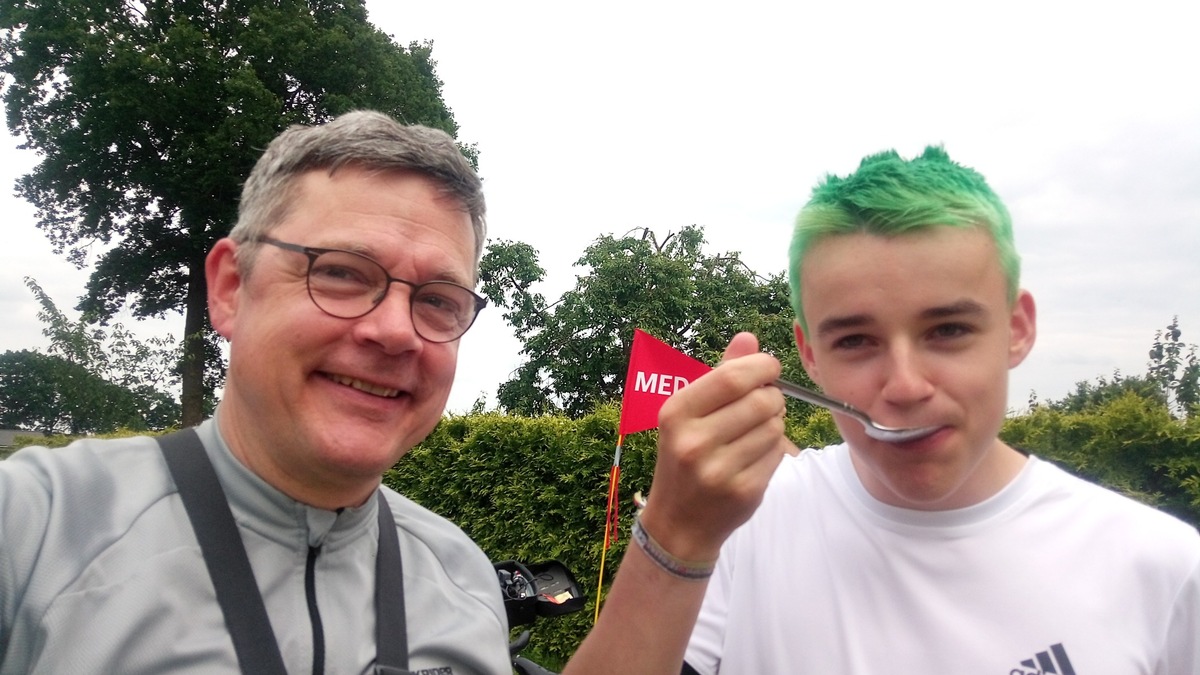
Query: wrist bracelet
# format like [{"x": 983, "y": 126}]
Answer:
[{"x": 682, "y": 569}]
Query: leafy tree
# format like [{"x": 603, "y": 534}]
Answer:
[
  {"x": 1176, "y": 369},
  {"x": 50, "y": 394},
  {"x": 112, "y": 352},
  {"x": 577, "y": 348},
  {"x": 1089, "y": 395},
  {"x": 92, "y": 380},
  {"x": 149, "y": 115}
]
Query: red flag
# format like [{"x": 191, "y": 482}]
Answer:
[{"x": 656, "y": 370}]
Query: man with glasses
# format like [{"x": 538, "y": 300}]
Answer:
[{"x": 343, "y": 290}]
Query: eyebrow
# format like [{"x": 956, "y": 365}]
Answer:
[
  {"x": 372, "y": 253},
  {"x": 960, "y": 308},
  {"x": 840, "y": 323},
  {"x": 963, "y": 307}
]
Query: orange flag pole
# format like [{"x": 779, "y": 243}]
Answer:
[{"x": 610, "y": 521}]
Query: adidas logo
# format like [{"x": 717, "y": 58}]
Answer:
[{"x": 1051, "y": 662}]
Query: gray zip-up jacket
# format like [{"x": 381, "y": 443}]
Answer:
[{"x": 100, "y": 572}]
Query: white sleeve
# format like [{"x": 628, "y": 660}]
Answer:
[
  {"x": 25, "y": 512},
  {"x": 1181, "y": 653},
  {"x": 708, "y": 635}
]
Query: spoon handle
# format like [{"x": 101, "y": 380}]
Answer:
[{"x": 804, "y": 394}]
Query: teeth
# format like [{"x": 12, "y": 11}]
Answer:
[{"x": 365, "y": 386}]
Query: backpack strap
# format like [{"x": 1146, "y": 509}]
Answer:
[
  {"x": 224, "y": 555},
  {"x": 391, "y": 630}
]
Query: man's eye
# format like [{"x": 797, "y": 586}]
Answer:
[
  {"x": 439, "y": 302},
  {"x": 435, "y": 301},
  {"x": 340, "y": 274}
]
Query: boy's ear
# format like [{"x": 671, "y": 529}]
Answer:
[
  {"x": 224, "y": 281},
  {"x": 806, "y": 352},
  {"x": 1022, "y": 328}
]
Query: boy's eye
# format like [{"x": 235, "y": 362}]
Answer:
[
  {"x": 950, "y": 330},
  {"x": 850, "y": 342}
]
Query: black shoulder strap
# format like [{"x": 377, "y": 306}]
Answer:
[
  {"x": 224, "y": 555},
  {"x": 391, "y": 630}
]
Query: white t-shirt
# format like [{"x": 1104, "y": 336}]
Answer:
[{"x": 1051, "y": 575}]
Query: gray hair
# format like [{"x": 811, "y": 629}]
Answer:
[{"x": 363, "y": 138}]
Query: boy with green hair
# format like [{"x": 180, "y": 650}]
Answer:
[{"x": 951, "y": 553}]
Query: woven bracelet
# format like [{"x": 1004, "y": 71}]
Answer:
[{"x": 683, "y": 569}]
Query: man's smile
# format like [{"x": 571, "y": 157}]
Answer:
[{"x": 362, "y": 386}]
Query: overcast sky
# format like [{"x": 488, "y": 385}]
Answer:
[{"x": 597, "y": 119}]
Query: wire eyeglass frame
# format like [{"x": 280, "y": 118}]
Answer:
[{"x": 441, "y": 311}]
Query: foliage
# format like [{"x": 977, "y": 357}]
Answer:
[
  {"x": 1174, "y": 366},
  {"x": 92, "y": 380},
  {"x": 111, "y": 352},
  {"x": 577, "y": 348},
  {"x": 149, "y": 115},
  {"x": 1088, "y": 395},
  {"x": 52, "y": 395}
]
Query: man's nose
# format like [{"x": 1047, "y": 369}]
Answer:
[{"x": 390, "y": 324}]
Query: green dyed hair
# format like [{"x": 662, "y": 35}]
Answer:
[{"x": 889, "y": 196}]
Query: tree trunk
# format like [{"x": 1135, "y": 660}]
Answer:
[{"x": 195, "y": 324}]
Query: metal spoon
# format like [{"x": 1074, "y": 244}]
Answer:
[{"x": 876, "y": 431}]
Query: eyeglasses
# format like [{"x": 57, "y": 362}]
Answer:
[{"x": 348, "y": 285}]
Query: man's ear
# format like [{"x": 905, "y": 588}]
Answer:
[
  {"x": 806, "y": 352},
  {"x": 224, "y": 282},
  {"x": 1022, "y": 328}
]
